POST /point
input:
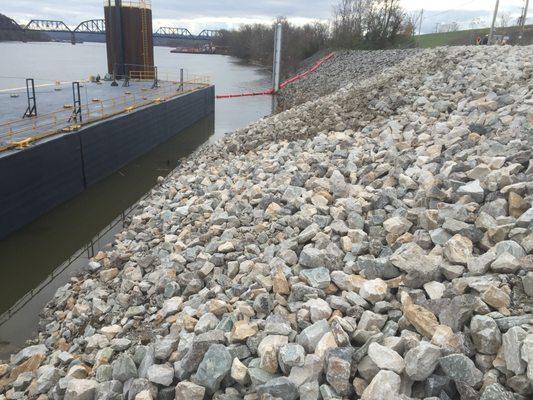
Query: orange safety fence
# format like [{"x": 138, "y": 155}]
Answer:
[{"x": 295, "y": 78}]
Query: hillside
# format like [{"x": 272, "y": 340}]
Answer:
[
  {"x": 11, "y": 31},
  {"x": 468, "y": 37}
]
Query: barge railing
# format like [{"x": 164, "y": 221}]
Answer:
[{"x": 18, "y": 134}]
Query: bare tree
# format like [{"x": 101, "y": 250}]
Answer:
[
  {"x": 385, "y": 20},
  {"x": 505, "y": 19},
  {"x": 349, "y": 17},
  {"x": 412, "y": 21},
  {"x": 454, "y": 27}
]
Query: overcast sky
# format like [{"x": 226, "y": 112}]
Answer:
[{"x": 212, "y": 14}]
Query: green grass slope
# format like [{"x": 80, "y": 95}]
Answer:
[{"x": 468, "y": 37}]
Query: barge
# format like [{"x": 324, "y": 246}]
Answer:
[{"x": 48, "y": 159}]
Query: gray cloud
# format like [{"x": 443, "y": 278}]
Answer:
[
  {"x": 72, "y": 11},
  {"x": 200, "y": 14}
]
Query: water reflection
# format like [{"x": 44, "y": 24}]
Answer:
[{"x": 31, "y": 254}]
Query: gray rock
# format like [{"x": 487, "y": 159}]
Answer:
[
  {"x": 197, "y": 350},
  {"x": 496, "y": 392},
  {"x": 485, "y": 334},
  {"x": 308, "y": 233},
  {"x": 421, "y": 361},
  {"x": 511, "y": 247},
  {"x": 109, "y": 390},
  {"x": 384, "y": 386},
  {"x": 161, "y": 374},
  {"x": 328, "y": 393},
  {"x": 317, "y": 277},
  {"x": 527, "y": 282},
  {"x": 309, "y": 391},
  {"x": 189, "y": 391},
  {"x": 311, "y": 257},
  {"x": 461, "y": 369},
  {"x": 311, "y": 335},
  {"x": 505, "y": 264},
  {"x": 279, "y": 388},
  {"x": 527, "y": 355},
  {"x": 104, "y": 373},
  {"x": 215, "y": 366},
  {"x": 47, "y": 377},
  {"x": 24, "y": 354},
  {"x": 386, "y": 358},
  {"x": 81, "y": 389},
  {"x": 338, "y": 369},
  {"x": 458, "y": 311},
  {"x": 124, "y": 368},
  {"x": 291, "y": 355},
  {"x": 259, "y": 376},
  {"x": 480, "y": 265},
  {"x": 420, "y": 267},
  {"x": 139, "y": 385},
  {"x": 474, "y": 190},
  {"x": 164, "y": 347},
  {"x": 511, "y": 346},
  {"x": 507, "y": 323},
  {"x": 147, "y": 361}
]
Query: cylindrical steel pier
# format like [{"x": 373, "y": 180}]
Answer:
[{"x": 129, "y": 38}]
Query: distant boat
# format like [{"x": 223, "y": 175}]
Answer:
[{"x": 206, "y": 49}]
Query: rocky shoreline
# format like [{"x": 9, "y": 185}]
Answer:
[
  {"x": 374, "y": 243},
  {"x": 349, "y": 66}
]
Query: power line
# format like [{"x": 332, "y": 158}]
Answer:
[{"x": 449, "y": 11}]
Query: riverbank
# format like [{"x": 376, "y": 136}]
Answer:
[
  {"x": 346, "y": 67},
  {"x": 372, "y": 242}
]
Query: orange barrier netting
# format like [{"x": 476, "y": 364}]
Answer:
[{"x": 282, "y": 85}]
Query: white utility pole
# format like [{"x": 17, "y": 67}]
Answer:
[
  {"x": 491, "y": 37},
  {"x": 420, "y": 26},
  {"x": 276, "y": 69},
  {"x": 524, "y": 17}
]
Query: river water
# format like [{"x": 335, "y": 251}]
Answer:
[{"x": 28, "y": 256}]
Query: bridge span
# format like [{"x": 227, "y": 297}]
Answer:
[{"x": 97, "y": 26}]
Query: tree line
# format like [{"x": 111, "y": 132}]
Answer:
[{"x": 356, "y": 24}]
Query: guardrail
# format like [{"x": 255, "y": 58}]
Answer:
[{"x": 22, "y": 132}]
